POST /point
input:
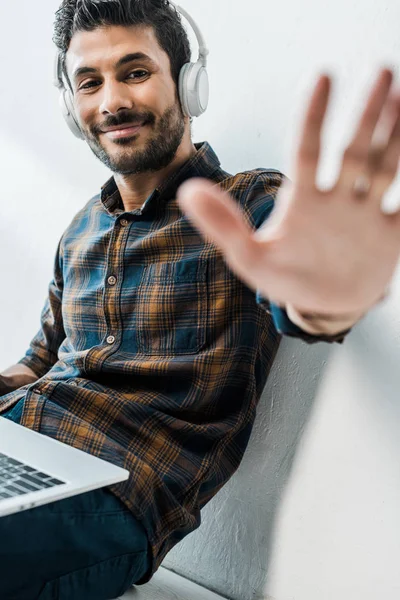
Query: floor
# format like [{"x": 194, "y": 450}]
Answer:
[{"x": 166, "y": 585}]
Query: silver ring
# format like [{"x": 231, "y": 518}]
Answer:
[{"x": 362, "y": 185}]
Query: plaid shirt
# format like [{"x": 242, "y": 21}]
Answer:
[{"x": 151, "y": 353}]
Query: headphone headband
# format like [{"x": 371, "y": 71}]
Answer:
[{"x": 203, "y": 50}]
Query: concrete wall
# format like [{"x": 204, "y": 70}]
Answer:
[{"x": 312, "y": 513}]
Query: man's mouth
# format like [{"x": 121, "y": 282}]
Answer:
[{"x": 120, "y": 131}]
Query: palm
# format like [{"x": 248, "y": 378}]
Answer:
[{"x": 324, "y": 253}]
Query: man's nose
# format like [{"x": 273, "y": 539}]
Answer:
[{"x": 116, "y": 95}]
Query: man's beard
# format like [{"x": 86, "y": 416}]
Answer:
[{"x": 159, "y": 151}]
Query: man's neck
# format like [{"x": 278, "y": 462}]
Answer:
[{"x": 135, "y": 189}]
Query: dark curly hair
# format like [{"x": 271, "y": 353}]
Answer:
[{"x": 88, "y": 15}]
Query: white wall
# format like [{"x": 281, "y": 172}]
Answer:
[{"x": 312, "y": 513}]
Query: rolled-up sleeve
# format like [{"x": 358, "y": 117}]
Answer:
[{"x": 42, "y": 353}]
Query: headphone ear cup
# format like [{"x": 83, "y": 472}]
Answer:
[
  {"x": 67, "y": 109},
  {"x": 183, "y": 89},
  {"x": 194, "y": 89}
]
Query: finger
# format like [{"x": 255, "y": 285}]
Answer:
[
  {"x": 355, "y": 158},
  {"x": 372, "y": 112},
  {"x": 215, "y": 214},
  {"x": 309, "y": 148},
  {"x": 384, "y": 159},
  {"x": 392, "y": 153}
]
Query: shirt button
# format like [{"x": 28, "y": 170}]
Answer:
[
  {"x": 73, "y": 383},
  {"x": 124, "y": 222},
  {"x": 110, "y": 339},
  {"x": 112, "y": 280}
]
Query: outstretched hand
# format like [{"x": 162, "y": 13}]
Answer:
[{"x": 325, "y": 251}]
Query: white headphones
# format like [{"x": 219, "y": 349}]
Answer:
[{"x": 193, "y": 83}]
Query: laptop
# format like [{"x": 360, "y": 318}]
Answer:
[{"x": 36, "y": 469}]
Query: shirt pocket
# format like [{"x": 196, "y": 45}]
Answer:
[{"x": 172, "y": 308}]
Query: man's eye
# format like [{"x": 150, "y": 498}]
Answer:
[
  {"x": 139, "y": 75},
  {"x": 87, "y": 85}
]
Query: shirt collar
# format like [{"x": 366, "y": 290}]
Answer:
[{"x": 203, "y": 164}]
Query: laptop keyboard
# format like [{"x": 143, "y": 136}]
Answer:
[{"x": 17, "y": 478}]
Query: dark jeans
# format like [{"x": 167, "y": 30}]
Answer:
[{"x": 88, "y": 547}]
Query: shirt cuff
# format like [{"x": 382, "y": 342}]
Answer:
[{"x": 285, "y": 326}]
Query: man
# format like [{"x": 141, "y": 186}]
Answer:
[{"x": 156, "y": 341}]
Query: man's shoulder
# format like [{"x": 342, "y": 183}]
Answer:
[
  {"x": 255, "y": 190},
  {"x": 260, "y": 180}
]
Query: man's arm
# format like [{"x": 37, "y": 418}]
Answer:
[
  {"x": 15, "y": 377},
  {"x": 42, "y": 353},
  {"x": 318, "y": 324}
]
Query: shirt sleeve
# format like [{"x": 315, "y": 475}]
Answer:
[
  {"x": 260, "y": 202},
  {"x": 43, "y": 350}
]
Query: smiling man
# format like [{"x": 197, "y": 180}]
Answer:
[
  {"x": 156, "y": 339},
  {"x": 128, "y": 106}
]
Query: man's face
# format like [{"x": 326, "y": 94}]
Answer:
[{"x": 139, "y": 92}]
